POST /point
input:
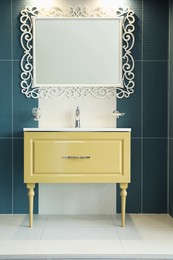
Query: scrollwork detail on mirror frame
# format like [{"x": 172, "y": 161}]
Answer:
[{"x": 77, "y": 92}]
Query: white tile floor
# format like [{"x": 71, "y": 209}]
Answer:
[{"x": 86, "y": 236}]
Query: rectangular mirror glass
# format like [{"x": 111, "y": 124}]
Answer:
[{"x": 77, "y": 52}]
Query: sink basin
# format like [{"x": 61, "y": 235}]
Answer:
[{"x": 109, "y": 129}]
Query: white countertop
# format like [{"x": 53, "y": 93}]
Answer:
[{"x": 77, "y": 129}]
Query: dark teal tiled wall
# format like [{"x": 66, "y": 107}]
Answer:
[
  {"x": 15, "y": 112},
  {"x": 146, "y": 109},
  {"x": 5, "y": 176},
  {"x": 171, "y": 115}
]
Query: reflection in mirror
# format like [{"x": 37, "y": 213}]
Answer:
[{"x": 77, "y": 53}]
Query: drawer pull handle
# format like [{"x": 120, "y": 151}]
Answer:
[{"x": 76, "y": 157}]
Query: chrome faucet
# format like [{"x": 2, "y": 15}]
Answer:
[{"x": 77, "y": 117}]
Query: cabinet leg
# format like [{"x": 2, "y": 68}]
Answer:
[
  {"x": 123, "y": 193},
  {"x": 31, "y": 193}
]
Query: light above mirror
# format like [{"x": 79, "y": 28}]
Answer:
[
  {"x": 77, "y": 53},
  {"x": 47, "y": 4}
]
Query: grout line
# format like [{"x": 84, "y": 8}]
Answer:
[
  {"x": 168, "y": 103},
  {"x": 12, "y": 177},
  {"x": 13, "y": 60},
  {"x": 151, "y": 137},
  {"x": 154, "y": 60},
  {"x": 10, "y": 138},
  {"x": 142, "y": 125},
  {"x": 134, "y": 60},
  {"x": 150, "y": 60},
  {"x": 157, "y": 138},
  {"x": 44, "y": 228},
  {"x": 6, "y": 60}
]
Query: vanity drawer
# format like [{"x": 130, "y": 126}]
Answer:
[
  {"x": 73, "y": 157},
  {"x": 77, "y": 156}
]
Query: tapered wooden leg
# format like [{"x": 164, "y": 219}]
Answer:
[
  {"x": 31, "y": 194},
  {"x": 123, "y": 194}
]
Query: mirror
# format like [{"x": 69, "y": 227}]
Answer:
[{"x": 77, "y": 54}]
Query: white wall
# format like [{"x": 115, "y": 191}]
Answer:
[{"x": 77, "y": 198}]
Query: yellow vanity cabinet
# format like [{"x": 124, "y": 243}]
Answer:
[{"x": 76, "y": 157}]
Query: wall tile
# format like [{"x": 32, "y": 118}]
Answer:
[
  {"x": 22, "y": 106},
  {"x": 20, "y": 197},
  {"x": 155, "y": 99},
  {"x": 171, "y": 109},
  {"x": 6, "y": 99},
  {"x": 155, "y": 29},
  {"x": 132, "y": 106},
  {"x": 134, "y": 189},
  {"x": 17, "y": 7},
  {"x": 136, "y": 6},
  {"x": 170, "y": 93},
  {"x": 17, "y": 48},
  {"x": 5, "y": 22},
  {"x": 5, "y": 176},
  {"x": 170, "y": 96},
  {"x": 171, "y": 177},
  {"x": 171, "y": 115},
  {"x": 155, "y": 176}
]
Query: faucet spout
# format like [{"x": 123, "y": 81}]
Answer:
[{"x": 77, "y": 117}]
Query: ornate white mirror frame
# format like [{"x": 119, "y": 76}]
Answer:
[{"x": 26, "y": 39}]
